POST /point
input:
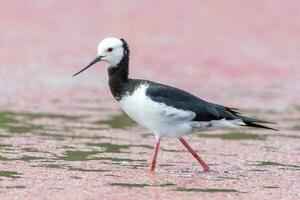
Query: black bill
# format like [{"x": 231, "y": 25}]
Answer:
[{"x": 97, "y": 59}]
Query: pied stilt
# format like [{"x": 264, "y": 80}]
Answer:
[{"x": 165, "y": 110}]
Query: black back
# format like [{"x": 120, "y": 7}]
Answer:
[{"x": 183, "y": 100}]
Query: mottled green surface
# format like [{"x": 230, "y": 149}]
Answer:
[
  {"x": 205, "y": 190},
  {"x": 87, "y": 147},
  {"x": 119, "y": 121},
  {"x": 235, "y": 136},
  {"x": 130, "y": 185},
  {"x": 10, "y": 174}
]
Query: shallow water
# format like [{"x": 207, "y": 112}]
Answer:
[{"x": 115, "y": 150}]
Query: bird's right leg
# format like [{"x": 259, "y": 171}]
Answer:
[
  {"x": 156, "y": 147},
  {"x": 202, "y": 163}
]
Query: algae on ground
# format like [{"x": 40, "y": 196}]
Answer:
[
  {"x": 210, "y": 190},
  {"x": 77, "y": 155},
  {"x": 10, "y": 174},
  {"x": 11, "y": 121},
  {"x": 235, "y": 136},
  {"x": 271, "y": 163},
  {"x": 109, "y": 147},
  {"x": 130, "y": 185},
  {"x": 120, "y": 121}
]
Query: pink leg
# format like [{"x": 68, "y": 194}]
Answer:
[
  {"x": 156, "y": 146},
  {"x": 203, "y": 164}
]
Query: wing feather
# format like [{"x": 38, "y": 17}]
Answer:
[{"x": 183, "y": 100}]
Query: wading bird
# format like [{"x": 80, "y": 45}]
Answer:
[{"x": 167, "y": 111}]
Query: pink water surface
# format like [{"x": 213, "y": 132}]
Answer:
[{"x": 241, "y": 54}]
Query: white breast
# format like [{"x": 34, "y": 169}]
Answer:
[{"x": 163, "y": 120}]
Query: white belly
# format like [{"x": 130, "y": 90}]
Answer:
[{"x": 163, "y": 120}]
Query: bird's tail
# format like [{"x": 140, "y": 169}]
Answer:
[{"x": 256, "y": 123}]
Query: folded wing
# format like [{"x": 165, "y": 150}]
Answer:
[{"x": 204, "y": 110}]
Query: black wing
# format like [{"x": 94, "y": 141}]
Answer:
[
  {"x": 183, "y": 100},
  {"x": 204, "y": 110}
]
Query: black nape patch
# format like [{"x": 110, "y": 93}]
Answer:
[
  {"x": 125, "y": 47},
  {"x": 118, "y": 76}
]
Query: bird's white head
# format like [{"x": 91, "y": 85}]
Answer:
[{"x": 110, "y": 50}]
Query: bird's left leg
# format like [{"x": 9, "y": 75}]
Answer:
[
  {"x": 156, "y": 147},
  {"x": 202, "y": 163}
]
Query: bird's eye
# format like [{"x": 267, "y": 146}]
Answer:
[{"x": 110, "y": 49}]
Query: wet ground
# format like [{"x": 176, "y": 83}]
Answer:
[
  {"x": 86, "y": 156},
  {"x": 66, "y": 138}
]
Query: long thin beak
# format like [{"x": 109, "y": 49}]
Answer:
[{"x": 97, "y": 59}]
